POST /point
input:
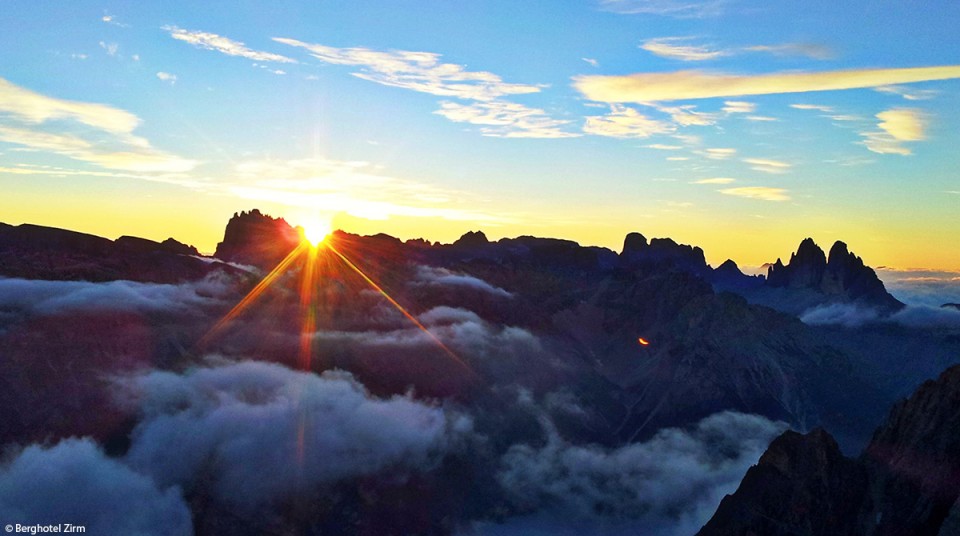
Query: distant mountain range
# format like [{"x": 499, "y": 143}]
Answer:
[{"x": 537, "y": 336}]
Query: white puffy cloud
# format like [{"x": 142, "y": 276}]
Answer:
[
  {"x": 671, "y": 483},
  {"x": 903, "y": 124},
  {"x": 896, "y": 126},
  {"x": 167, "y": 77},
  {"x": 443, "y": 277},
  {"x": 54, "y": 297},
  {"x": 259, "y": 434},
  {"x": 74, "y": 482}
]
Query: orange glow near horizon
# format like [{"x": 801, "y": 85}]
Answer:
[
  {"x": 643, "y": 342},
  {"x": 316, "y": 233},
  {"x": 308, "y": 301}
]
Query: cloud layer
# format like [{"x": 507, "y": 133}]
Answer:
[
  {"x": 75, "y": 482},
  {"x": 89, "y": 132},
  {"x": 673, "y": 482},
  {"x": 54, "y": 297},
  {"x": 266, "y": 433}
]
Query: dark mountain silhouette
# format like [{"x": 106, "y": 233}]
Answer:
[
  {"x": 256, "y": 239},
  {"x": 812, "y": 279},
  {"x": 728, "y": 276},
  {"x": 545, "y": 343},
  {"x": 36, "y": 252},
  {"x": 906, "y": 482},
  {"x": 710, "y": 351}
]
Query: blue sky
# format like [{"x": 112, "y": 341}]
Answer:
[{"x": 739, "y": 126}]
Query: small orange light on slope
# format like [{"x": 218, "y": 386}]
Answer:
[{"x": 643, "y": 341}]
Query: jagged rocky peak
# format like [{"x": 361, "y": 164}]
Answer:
[
  {"x": 844, "y": 276},
  {"x": 904, "y": 483},
  {"x": 472, "y": 239},
  {"x": 634, "y": 242},
  {"x": 258, "y": 239},
  {"x": 805, "y": 269},
  {"x": 802, "y": 485}
]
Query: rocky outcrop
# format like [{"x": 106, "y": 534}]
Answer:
[
  {"x": 907, "y": 481},
  {"x": 840, "y": 277},
  {"x": 257, "y": 239},
  {"x": 801, "y": 485},
  {"x": 472, "y": 239},
  {"x": 662, "y": 253}
]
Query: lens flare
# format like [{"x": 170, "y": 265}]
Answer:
[{"x": 316, "y": 231}]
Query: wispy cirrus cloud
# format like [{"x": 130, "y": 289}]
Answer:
[
  {"x": 356, "y": 188},
  {"x": 225, "y": 45},
  {"x": 768, "y": 165},
  {"x": 663, "y": 147},
  {"x": 505, "y": 119},
  {"x": 680, "y": 48},
  {"x": 625, "y": 122},
  {"x": 739, "y": 107},
  {"x": 688, "y": 85},
  {"x": 815, "y": 107},
  {"x": 719, "y": 153},
  {"x": 715, "y": 180},
  {"x": 32, "y": 107},
  {"x": 809, "y": 50},
  {"x": 417, "y": 71},
  {"x": 684, "y": 9},
  {"x": 425, "y": 72},
  {"x": 764, "y": 193},
  {"x": 908, "y": 93},
  {"x": 896, "y": 126},
  {"x": 110, "y": 19},
  {"x": 89, "y": 132},
  {"x": 687, "y": 115},
  {"x": 673, "y": 48}
]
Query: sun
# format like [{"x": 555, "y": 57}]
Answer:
[{"x": 316, "y": 231}]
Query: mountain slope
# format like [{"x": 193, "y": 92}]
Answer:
[{"x": 906, "y": 482}]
